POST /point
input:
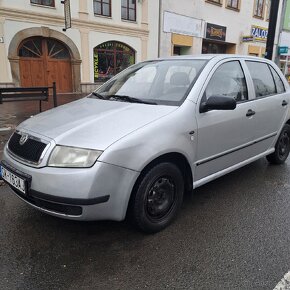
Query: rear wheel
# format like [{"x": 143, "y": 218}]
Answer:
[
  {"x": 158, "y": 197},
  {"x": 282, "y": 147}
]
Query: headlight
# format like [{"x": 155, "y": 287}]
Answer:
[{"x": 63, "y": 156}]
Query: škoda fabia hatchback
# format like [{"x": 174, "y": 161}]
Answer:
[{"x": 147, "y": 135}]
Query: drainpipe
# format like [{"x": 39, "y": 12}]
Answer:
[
  {"x": 160, "y": 27},
  {"x": 272, "y": 28}
]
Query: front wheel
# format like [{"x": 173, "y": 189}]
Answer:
[
  {"x": 158, "y": 197},
  {"x": 282, "y": 147}
]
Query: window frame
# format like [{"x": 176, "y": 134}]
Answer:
[
  {"x": 203, "y": 98},
  {"x": 255, "y": 10},
  {"x": 102, "y": 9},
  {"x": 128, "y": 10},
  {"x": 231, "y": 5},
  {"x": 268, "y": 5},
  {"x": 114, "y": 51},
  {"x": 215, "y": 2},
  {"x": 41, "y": 4},
  {"x": 271, "y": 70}
]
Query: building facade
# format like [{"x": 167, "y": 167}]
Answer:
[
  {"x": 105, "y": 37},
  {"x": 283, "y": 55},
  {"x": 214, "y": 26}
]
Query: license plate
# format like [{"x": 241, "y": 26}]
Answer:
[{"x": 14, "y": 180}]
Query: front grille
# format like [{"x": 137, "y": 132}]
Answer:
[{"x": 31, "y": 150}]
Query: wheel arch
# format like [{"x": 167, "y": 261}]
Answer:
[{"x": 173, "y": 157}]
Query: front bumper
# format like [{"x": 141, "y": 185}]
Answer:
[{"x": 101, "y": 192}]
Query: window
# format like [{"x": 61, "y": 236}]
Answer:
[
  {"x": 164, "y": 82},
  {"x": 43, "y": 2},
  {"x": 278, "y": 82},
  {"x": 38, "y": 47},
  {"x": 128, "y": 10},
  {"x": 233, "y": 4},
  {"x": 262, "y": 79},
  {"x": 111, "y": 58},
  {"x": 259, "y": 8},
  {"x": 178, "y": 78},
  {"x": 102, "y": 7},
  {"x": 215, "y": 1},
  {"x": 228, "y": 80}
]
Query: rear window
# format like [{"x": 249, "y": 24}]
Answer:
[{"x": 262, "y": 78}]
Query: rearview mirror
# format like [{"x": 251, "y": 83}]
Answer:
[{"x": 218, "y": 102}]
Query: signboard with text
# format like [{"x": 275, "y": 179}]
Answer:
[
  {"x": 259, "y": 33},
  {"x": 247, "y": 38},
  {"x": 215, "y": 32},
  {"x": 180, "y": 24},
  {"x": 283, "y": 49}
]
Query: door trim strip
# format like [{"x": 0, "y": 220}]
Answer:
[{"x": 206, "y": 160}]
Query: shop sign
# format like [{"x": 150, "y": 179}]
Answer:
[
  {"x": 247, "y": 38},
  {"x": 286, "y": 24},
  {"x": 259, "y": 33},
  {"x": 114, "y": 45},
  {"x": 180, "y": 24},
  {"x": 283, "y": 49},
  {"x": 96, "y": 65},
  {"x": 215, "y": 32}
]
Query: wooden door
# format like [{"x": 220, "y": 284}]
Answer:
[
  {"x": 58, "y": 66},
  {"x": 44, "y": 61}
]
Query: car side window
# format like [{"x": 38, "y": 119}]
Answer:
[
  {"x": 262, "y": 78},
  {"x": 278, "y": 82},
  {"x": 228, "y": 80}
]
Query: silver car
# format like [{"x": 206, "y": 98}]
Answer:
[{"x": 148, "y": 135}]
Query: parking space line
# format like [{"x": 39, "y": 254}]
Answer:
[{"x": 284, "y": 284}]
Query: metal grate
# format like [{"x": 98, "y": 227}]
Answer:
[{"x": 31, "y": 150}]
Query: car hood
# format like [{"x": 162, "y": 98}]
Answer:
[{"x": 93, "y": 123}]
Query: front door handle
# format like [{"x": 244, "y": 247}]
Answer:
[
  {"x": 250, "y": 113},
  {"x": 284, "y": 103}
]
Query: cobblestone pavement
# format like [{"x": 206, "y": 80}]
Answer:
[{"x": 12, "y": 114}]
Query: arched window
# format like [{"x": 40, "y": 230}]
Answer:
[{"x": 110, "y": 58}]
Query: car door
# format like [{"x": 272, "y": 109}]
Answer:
[
  {"x": 224, "y": 137},
  {"x": 271, "y": 102}
]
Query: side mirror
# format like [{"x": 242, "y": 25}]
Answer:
[{"x": 218, "y": 102}]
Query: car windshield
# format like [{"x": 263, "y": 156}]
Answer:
[{"x": 164, "y": 82}]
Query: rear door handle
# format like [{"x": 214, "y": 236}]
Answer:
[
  {"x": 250, "y": 113},
  {"x": 284, "y": 103}
]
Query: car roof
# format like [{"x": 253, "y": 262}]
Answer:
[{"x": 212, "y": 56}]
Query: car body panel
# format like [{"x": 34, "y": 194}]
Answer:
[{"x": 71, "y": 124}]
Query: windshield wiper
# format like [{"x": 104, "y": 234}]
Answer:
[
  {"x": 129, "y": 99},
  {"x": 99, "y": 96}
]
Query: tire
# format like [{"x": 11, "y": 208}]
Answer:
[
  {"x": 157, "y": 198},
  {"x": 282, "y": 147}
]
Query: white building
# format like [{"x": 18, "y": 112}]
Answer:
[
  {"x": 106, "y": 36},
  {"x": 214, "y": 26}
]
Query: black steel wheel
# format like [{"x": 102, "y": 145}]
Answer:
[
  {"x": 282, "y": 147},
  {"x": 158, "y": 197}
]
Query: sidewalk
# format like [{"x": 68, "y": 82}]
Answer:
[{"x": 11, "y": 114}]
